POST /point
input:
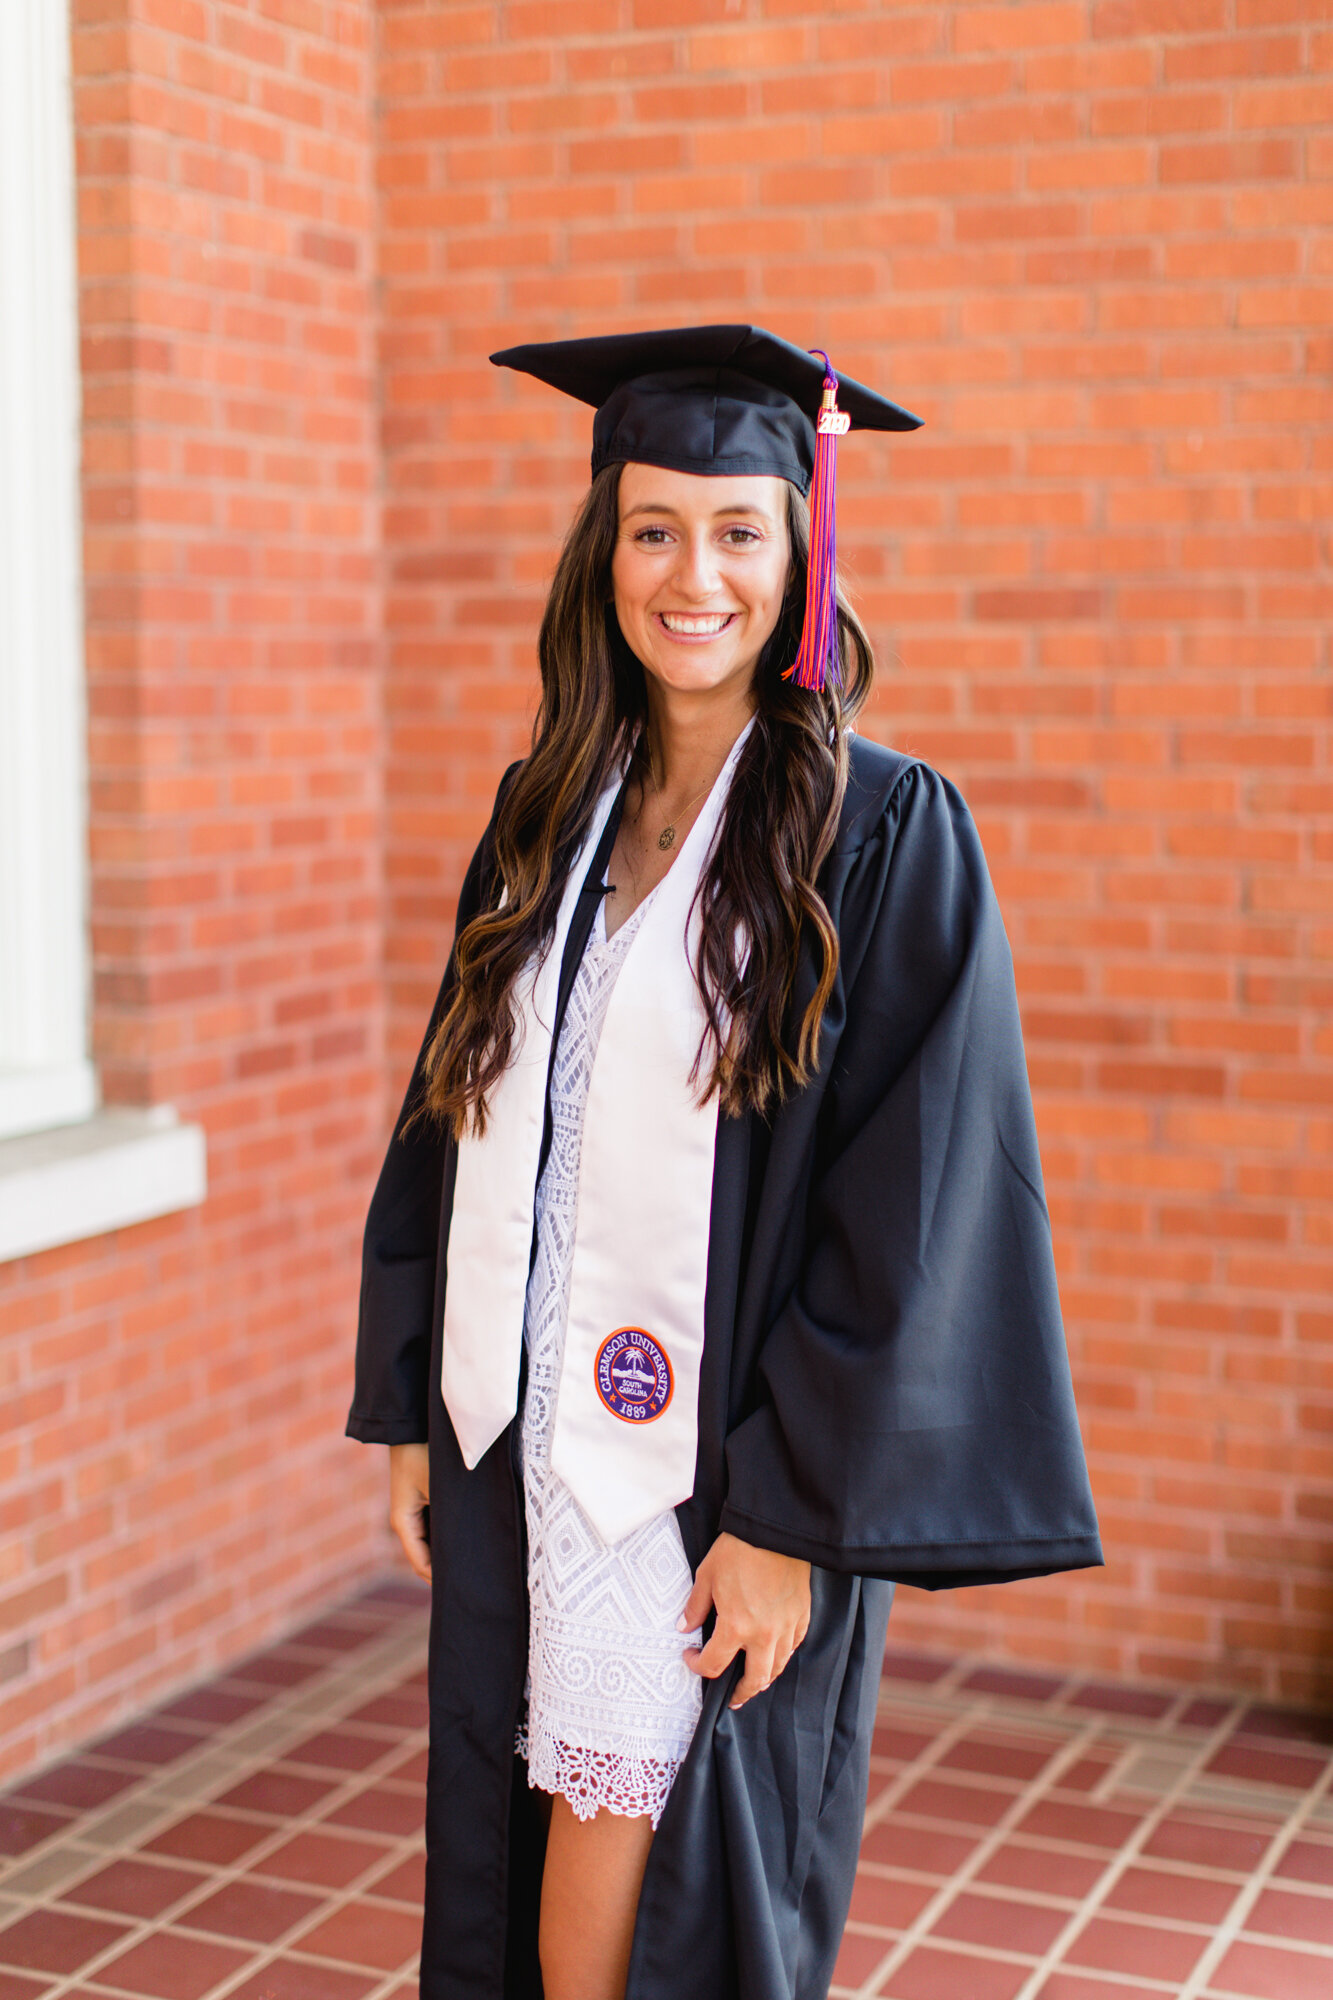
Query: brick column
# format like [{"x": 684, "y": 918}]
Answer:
[{"x": 179, "y": 1487}]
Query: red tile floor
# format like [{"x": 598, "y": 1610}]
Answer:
[{"x": 1027, "y": 1835}]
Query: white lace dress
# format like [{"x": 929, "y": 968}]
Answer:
[{"x": 611, "y": 1705}]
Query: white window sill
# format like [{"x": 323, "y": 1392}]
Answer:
[{"x": 114, "y": 1169}]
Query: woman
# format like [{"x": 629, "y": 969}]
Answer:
[{"x": 708, "y": 1286}]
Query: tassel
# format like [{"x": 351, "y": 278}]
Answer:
[{"x": 817, "y": 659}]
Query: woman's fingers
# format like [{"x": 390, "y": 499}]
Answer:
[
  {"x": 760, "y": 1672},
  {"x": 714, "y": 1658},
  {"x": 409, "y": 1497},
  {"x": 764, "y": 1666},
  {"x": 697, "y": 1605},
  {"x": 762, "y": 1601},
  {"x": 765, "y": 1659},
  {"x": 409, "y": 1528}
]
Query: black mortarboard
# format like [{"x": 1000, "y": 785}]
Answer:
[
  {"x": 707, "y": 399},
  {"x": 718, "y": 400}
]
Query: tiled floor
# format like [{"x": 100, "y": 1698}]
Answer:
[
  {"x": 1027, "y": 1836},
  {"x": 1031, "y": 1836},
  {"x": 260, "y": 1838}
]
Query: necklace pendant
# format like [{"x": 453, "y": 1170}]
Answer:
[{"x": 666, "y": 838}]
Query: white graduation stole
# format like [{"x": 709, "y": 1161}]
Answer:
[{"x": 626, "y": 1425}]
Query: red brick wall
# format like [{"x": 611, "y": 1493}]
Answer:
[
  {"x": 173, "y": 1485},
  {"x": 1090, "y": 243},
  {"x": 1089, "y": 240}
]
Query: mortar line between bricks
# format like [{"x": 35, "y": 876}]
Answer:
[{"x": 1078, "y": 1742}]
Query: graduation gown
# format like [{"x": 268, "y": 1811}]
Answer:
[{"x": 885, "y": 1392}]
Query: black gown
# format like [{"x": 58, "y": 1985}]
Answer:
[{"x": 885, "y": 1392}]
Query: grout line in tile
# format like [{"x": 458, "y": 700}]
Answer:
[
  {"x": 942, "y": 1741},
  {"x": 916, "y": 1932},
  {"x": 1168, "y": 1987},
  {"x": 997, "y": 1891},
  {"x": 1310, "y": 1946},
  {"x": 159, "y": 1784},
  {"x": 1094, "y": 1902},
  {"x": 407, "y": 1969},
  {"x": 944, "y": 1711},
  {"x": 1260, "y": 1877},
  {"x": 361, "y": 1687}
]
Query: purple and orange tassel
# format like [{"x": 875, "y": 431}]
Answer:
[{"x": 817, "y": 660}]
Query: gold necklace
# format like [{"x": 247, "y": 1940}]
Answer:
[{"x": 666, "y": 839}]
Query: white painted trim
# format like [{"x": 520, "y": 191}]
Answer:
[
  {"x": 33, "y": 1099},
  {"x": 113, "y": 1170},
  {"x": 43, "y": 927}
]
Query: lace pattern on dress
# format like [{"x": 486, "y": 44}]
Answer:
[{"x": 611, "y": 1705}]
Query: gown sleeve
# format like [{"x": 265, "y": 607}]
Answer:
[
  {"x": 915, "y": 1417},
  {"x": 400, "y": 1249}
]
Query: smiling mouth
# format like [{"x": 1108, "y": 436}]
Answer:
[{"x": 705, "y": 625}]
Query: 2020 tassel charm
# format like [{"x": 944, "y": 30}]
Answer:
[{"x": 817, "y": 659}]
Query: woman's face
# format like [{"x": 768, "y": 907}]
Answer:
[{"x": 699, "y": 573}]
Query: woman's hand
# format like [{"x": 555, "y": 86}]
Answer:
[
  {"x": 762, "y": 1602},
  {"x": 409, "y": 1496}
]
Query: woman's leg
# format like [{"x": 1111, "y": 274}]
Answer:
[{"x": 590, "y": 1894}]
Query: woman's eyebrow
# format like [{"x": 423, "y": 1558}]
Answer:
[{"x": 647, "y": 507}]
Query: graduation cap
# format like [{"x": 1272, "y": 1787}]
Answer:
[{"x": 720, "y": 400}]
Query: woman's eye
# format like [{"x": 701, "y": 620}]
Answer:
[
  {"x": 652, "y": 538},
  {"x": 741, "y": 536}
]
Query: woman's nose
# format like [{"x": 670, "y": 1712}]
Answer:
[{"x": 698, "y": 566}]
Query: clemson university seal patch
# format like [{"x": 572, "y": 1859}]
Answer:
[{"x": 633, "y": 1375}]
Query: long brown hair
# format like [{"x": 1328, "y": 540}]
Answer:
[{"x": 779, "y": 823}]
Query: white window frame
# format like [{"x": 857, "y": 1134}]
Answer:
[
  {"x": 66, "y": 1171},
  {"x": 46, "y": 1077}
]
